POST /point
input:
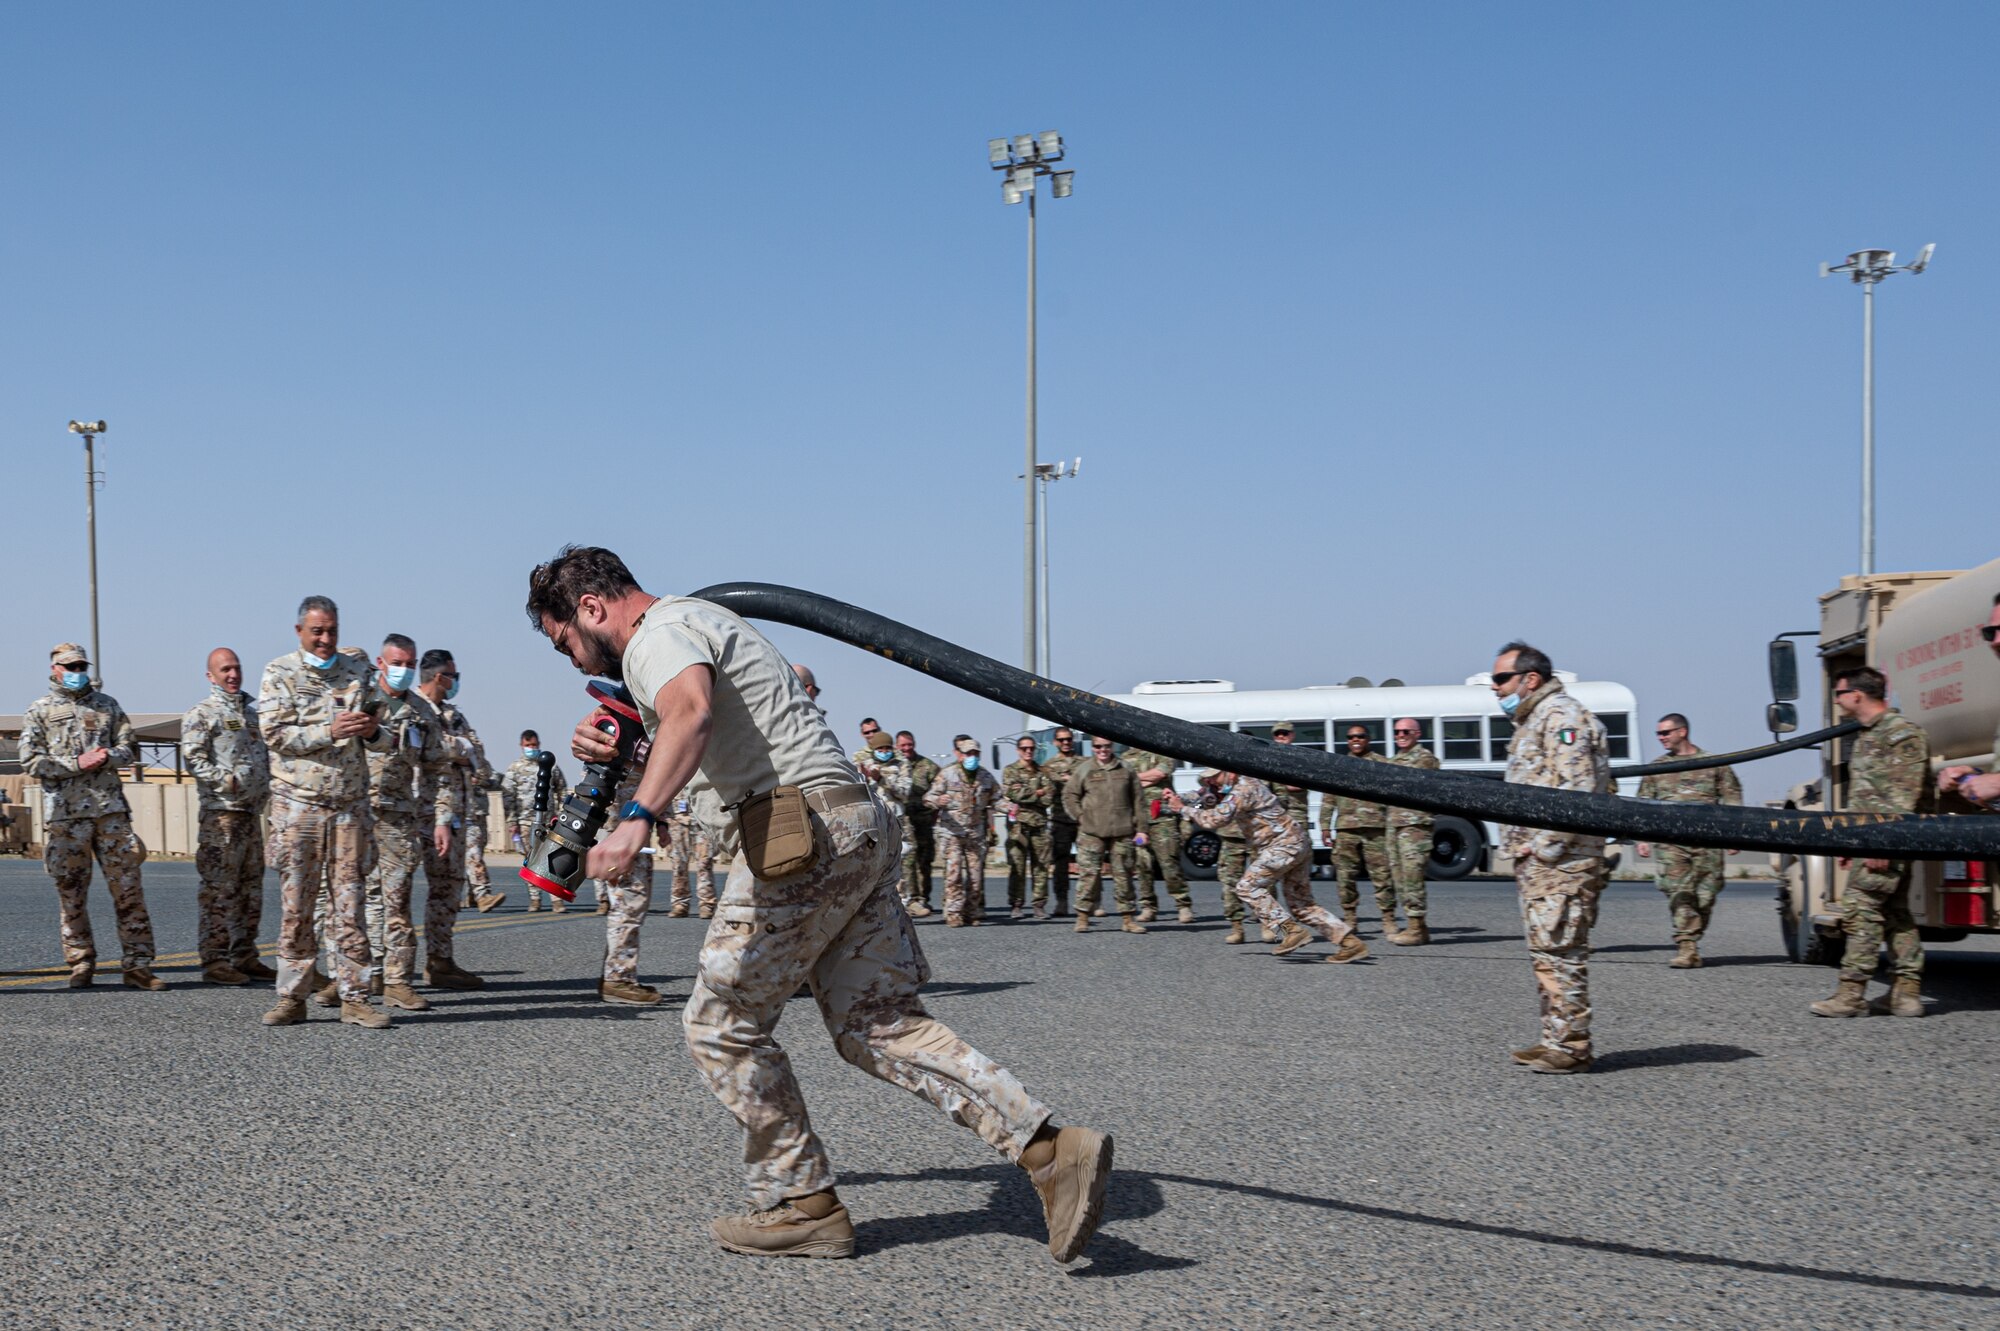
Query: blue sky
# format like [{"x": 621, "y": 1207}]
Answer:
[{"x": 1387, "y": 332}]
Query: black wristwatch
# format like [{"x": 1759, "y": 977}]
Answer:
[{"x": 634, "y": 809}]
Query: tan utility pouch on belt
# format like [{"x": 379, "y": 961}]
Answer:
[{"x": 777, "y": 834}]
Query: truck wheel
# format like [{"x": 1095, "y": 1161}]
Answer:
[
  {"x": 1812, "y": 946},
  {"x": 1200, "y": 853},
  {"x": 1457, "y": 846}
]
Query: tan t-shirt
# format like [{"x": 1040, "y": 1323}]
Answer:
[{"x": 764, "y": 730}]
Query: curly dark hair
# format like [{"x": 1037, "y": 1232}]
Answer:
[{"x": 576, "y": 571}]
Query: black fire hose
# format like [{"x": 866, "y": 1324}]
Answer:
[
  {"x": 1857, "y": 834},
  {"x": 1666, "y": 765}
]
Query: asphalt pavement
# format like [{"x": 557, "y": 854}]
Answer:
[{"x": 1297, "y": 1143}]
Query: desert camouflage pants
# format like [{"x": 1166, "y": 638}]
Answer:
[
  {"x": 476, "y": 878},
  {"x": 1692, "y": 879},
  {"x": 1062, "y": 843},
  {"x": 1369, "y": 845},
  {"x": 1558, "y": 908},
  {"x": 312, "y": 844},
  {"x": 1091, "y": 852},
  {"x": 840, "y": 929},
  {"x": 1229, "y": 865},
  {"x": 1160, "y": 858},
  {"x": 631, "y": 898},
  {"x": 1287, "y": 870},
  {"x": 1410, "y": 855},
  {"x": 1027, "y": 862},
  {"x": 71, "y": 844},
  {"x": 445, "y": 875},
  {"x": 229, "y": 857},
  {"x": 1875, "y": 909},
  {"x": 392, "y": 931},
  {"x": 919, "y": 861},
  {"x": 690, "y": 863},
  {"x": 964, "y": 875}
]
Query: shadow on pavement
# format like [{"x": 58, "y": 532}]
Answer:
[
  {"x": 1012, "y": 1208},
  {"x": 1671, "y": 1055},
  {"x": 953, "y": 989}
]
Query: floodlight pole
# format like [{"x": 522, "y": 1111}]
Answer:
[
  {"x": 90, "y": 430},
  {"x": 1028, "y": 598}
]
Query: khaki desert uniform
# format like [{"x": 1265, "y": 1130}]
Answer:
[
  {"x": 1280, "y": 856},
  {"x": 232, "y": 774},
  {"x": 836, "y": 926},
  {"x": 410, "y": 794}
]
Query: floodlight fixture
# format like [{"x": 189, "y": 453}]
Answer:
[
  {"x": 1062, "y": 184},
  {"x": 1050, "y": 144},
  {"x": 996, "y": 152},
  {"x": 1923, "y": 259},
  {"x": 1010, "y": 192},
  {"x": 86, "y": 427},
  {"x": 1024, "y": 147}
]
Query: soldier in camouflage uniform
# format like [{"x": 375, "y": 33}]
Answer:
[
  {"x": 919, "y": 821},
  {"x": 1028, "y": 792},
  {"x": 1231, "y": 860},
  {"x": 517, "y": 801},
  {"x": 444, "y": 870},
  {"x": 1280, "y": 862},
  {"x": 232, "y": 774},
  {"x": 1411, "y": 837},
  {"x": 1691, "y": 876},
  {"x": 1357, "y": 831},
  {"x": 476, "y": 779},
  {"x": 1888, "y": 772},
  {"x": 631, "y": 897},
  {"x": 690, "y": 862},
  {"x": 1161, "y": 855},
  {"x": 314, "y": 711},
  {"x": 964, "y": 795},
  {"x": 410, "y": 794},
  {"x": 1557, "y": 743},
  {"x": 73, "y": 741},
  {"x": 1064, "y": 764},
  {"x": 1103, "y": 797}
]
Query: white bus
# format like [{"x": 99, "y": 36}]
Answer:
[{"x": 1460, "y": 725}]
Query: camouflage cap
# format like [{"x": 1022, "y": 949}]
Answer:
[
  {"x": 1284, "y": 728},
  {"x": 68, "y": 651},
  {"x": 1208, "y": 774}
]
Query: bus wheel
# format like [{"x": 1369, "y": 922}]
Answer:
[
  {"x": 1457, "y": 846},
  {"x": 1200, "y": 853}
]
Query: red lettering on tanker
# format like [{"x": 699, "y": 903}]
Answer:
[
  {"x": 1949, "y": 644},
  {"x": 1932, "y": 699}
]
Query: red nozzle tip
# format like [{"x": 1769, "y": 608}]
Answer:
[{"x": 549, "y": 886}]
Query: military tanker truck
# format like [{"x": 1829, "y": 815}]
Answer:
[{"x": 1922, "y": 631}]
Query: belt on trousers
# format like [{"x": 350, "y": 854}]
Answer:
[{"x": 829, "y": 798}]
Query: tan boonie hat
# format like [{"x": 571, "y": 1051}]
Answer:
[
  {"x": 1284, "y": 728},
  {"x": 64, "y": 650},
  {"x": 1209, "y": 773}
]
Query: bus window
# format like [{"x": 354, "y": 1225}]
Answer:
[
  {"x": 1461, "y": 739},
  {"x": 1499, "y": 731},
  {"x": 1425, "y": 737},
  {"x": 1310, "y": 734},
  {"x": 1617, "y": 733}
]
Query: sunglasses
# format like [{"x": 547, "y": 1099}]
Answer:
[
  {"x": 1024, "y": 748},
  {"x": 1989, "y": 631},
  {"x": 1503, "y": 676},
  {"x": 1670, "y": 730},
  {"x": 1407, "y": 732},
  {"x": 1100, "y": 746}
]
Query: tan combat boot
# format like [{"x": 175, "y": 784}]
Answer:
[
  {"x": 708, "y": 910},
  {"x": 82, "y": 974},
  {"x": 625, "y": 993},
  {"x": 288, "y": 1012},
  {"x": 815, "y": 1226},
  {"x": 1530, "y": 1054},
  {"x": 486, "y": 901},
  {"x": 1069, "y": 1172},
  {"x": 1688, "y": 958},
  {"x": 1296, "y": 937},
  {"x": 918, "y": 910},
  {"x": 1187, "y": 915},
  {"x": 1235, "y": 934},
  {"x": 140, "y": 977},
  {"x": 1902, "y": 1000},
  {"x": 1270, "y": 934},
  {"x": 1559, "y": 1062},
  {"x": 1083, "y": 921},
  {"x": 1850, "y": 1000},
  {"x": 256, "y": 970},
  {"x": 534, "y": 904},
  {"x": 447, "y": 975},
  {"x": 223, "y": 973},
  {"x": 363, "y": 1013},
  {"x": 678, "y": 910},
  {"x": 1350, "y": 948},
  {"x": 326, "y": 993},
  {"x": 402, "y": 996},
  {"x": 1130, "y": 925},
  {"x": 1147, "y": 914},
  {"x": 558, "y": 906},
  {"x": 1416, "y": 935}
]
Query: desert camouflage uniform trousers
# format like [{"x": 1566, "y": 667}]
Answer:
[
  {"x": 1409, "y": 855},
  {"x": 71, "y": 842},
  {"x": 690, "y": 863},
  {"x": 476, "y": 878},
  {"x": 964, "y": 875},
  {"x": 1288, "y": 871},
  {"x": 1090, "y": 856},
  {"x": 1062, "y": 842},
  {"x": 1229, "y": 865},
  {"x": 921, "y": 859},
  {"x": 1874, "y": 909},
  {"x": 1692, "y": 879},
  {"x": 1027, "y": 863},
  {"x": 314, "y": 845},
  {"x": 1160, "y": 858},
  {"x": 229, "y": 857},
  {"x": 1558, "y": 908},
  {"x": 1350, "y": 850},
  {"x": 840, "y": 929},
  {"x": 392, "y": 930},
  {"x": 631, "y": 898}
]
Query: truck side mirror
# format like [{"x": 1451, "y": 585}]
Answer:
[
  {"x": 1784, "y": 658},
  {"x": 1781, "y": 718}
]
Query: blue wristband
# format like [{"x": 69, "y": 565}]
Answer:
[{"x": 634, "y": 809}]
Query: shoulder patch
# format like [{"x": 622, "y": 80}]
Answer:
[{"x": 1567, "y": 734}]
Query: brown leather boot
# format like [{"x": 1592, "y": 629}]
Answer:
[
  {"x": 1902, "y": 1000},
  {"x": 288, "y": 1012},
  {"x": 1559, "y": 1062},
  {"x": 447, "y": 975},
  {"x": 1235, "y": 934},
  {"x": 486, "y": 901},
  {"x": 1296, "y": 937},
  {"x": 1688, "y": 958},
  {"x": 1130, "y": 925},
  {"x": 1849, "y": 1000},
  {"x": 140, "y": 977},
  {"x": 326, "y": 993},
  {"x": 256, "y": 970},
  {"x": 1350, "y": 948},
  {"x": 1416, "y": 935},
  {"x": 402, "y": 996},
  {"x": 363, "y": 1014},
  {"x": 223, "y": 973},
  {"x": 806, "y": 1227},
  {"x": 626, "y": 993},
  {"x": 82, "y": 974}
]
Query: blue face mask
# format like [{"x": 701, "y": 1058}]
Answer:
[
  {"x": 1508, "y": 704},
  {"x": 452, "y": 692},
  {"x": 970, "y": 762},
  {"x": 76, "y": 681},
  {"x": 1224, "y": 790},
  {"x": 884, "y": 755},
  {"x": 318, "y": 662},
  {"x": 399, "y": 678},
  {"x": 531, "y": 753}
]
